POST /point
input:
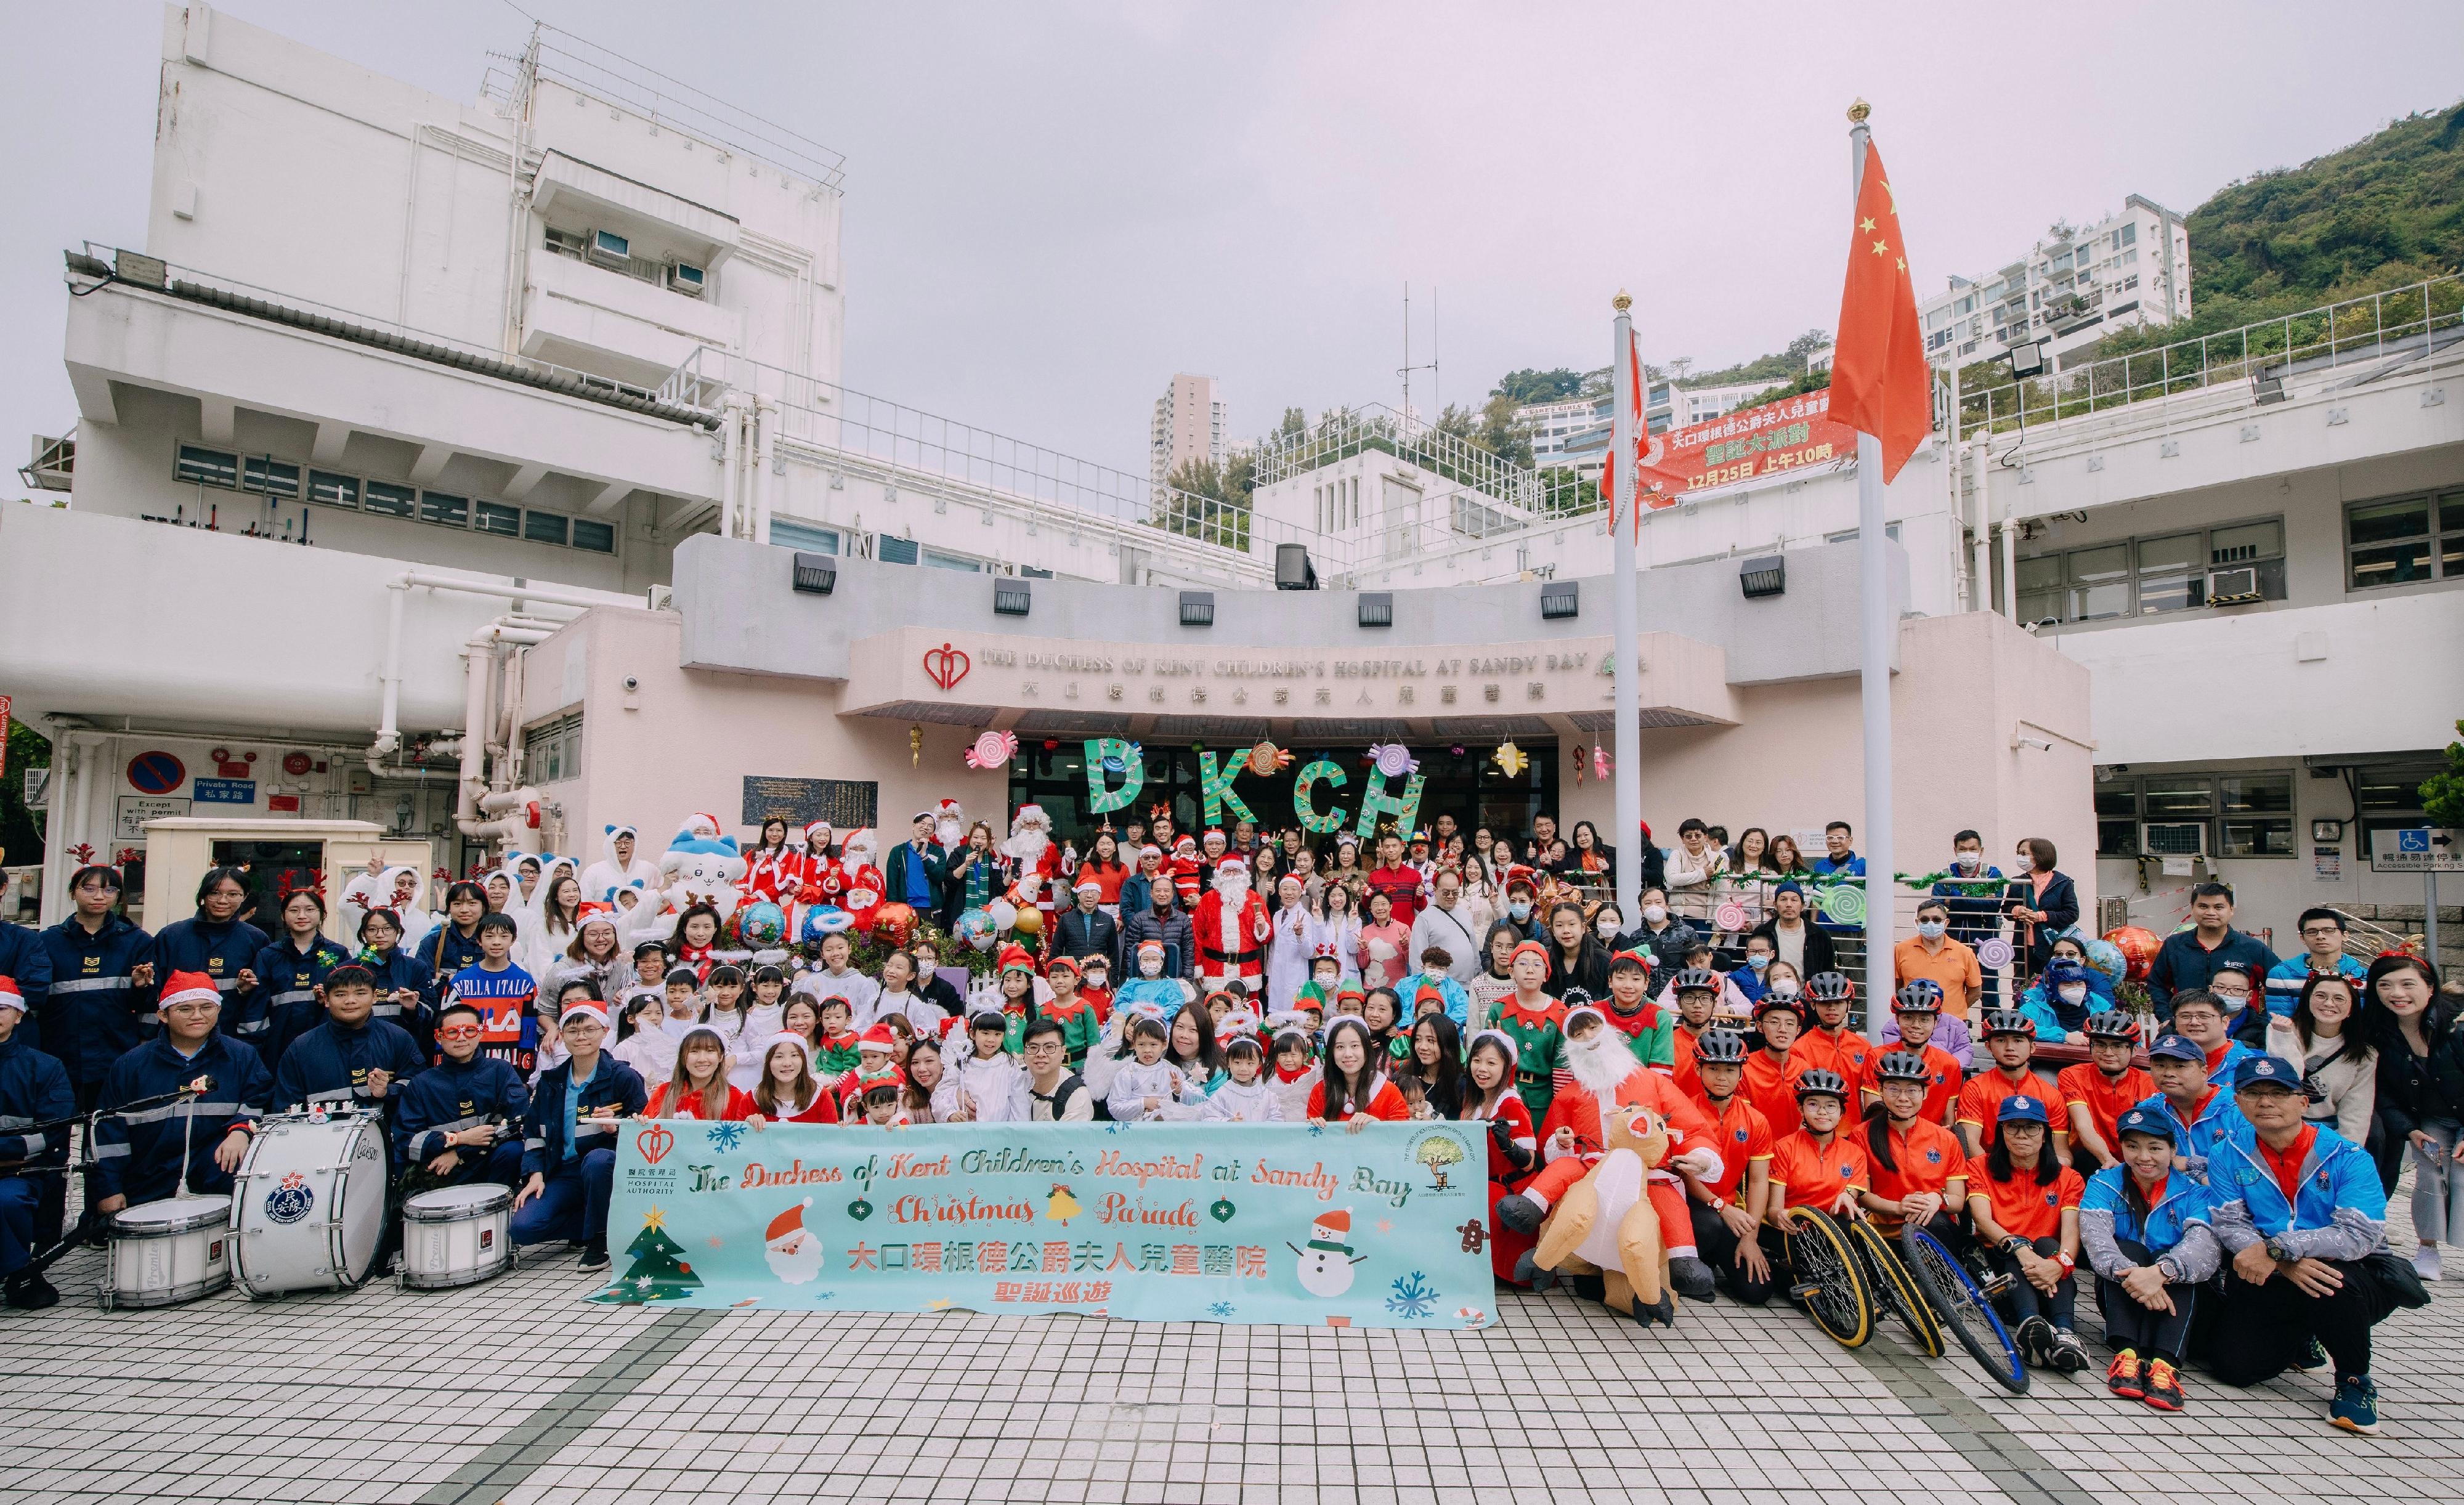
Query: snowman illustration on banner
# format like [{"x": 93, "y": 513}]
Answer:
[
  {"x": 794, "y": 1253},
  {"x": 1326, "y": 1264}
]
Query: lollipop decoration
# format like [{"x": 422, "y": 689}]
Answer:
[
  {"x": 1121, "y": 755},
  {"x": 1267, "y": 760},
  {"x": 992, "y": 750},
  {"x": 1844, "y": 903},
  {"x": 1509, "y": 759},
  {"x": 1392, "y": 759},
  {"x": 1730, "y": 917},
  {"x": 1994, "y": 951}
]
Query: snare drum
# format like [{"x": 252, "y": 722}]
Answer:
[
  {"x": 309, "y": 1205},
  {"x": 168, "y": 1251},
  {"x": 456, "y": 1236}
]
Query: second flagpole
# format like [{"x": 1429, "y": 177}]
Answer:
[
  {"x": 1875, "y": 630},
  {"x": 1625, "y": 407}
]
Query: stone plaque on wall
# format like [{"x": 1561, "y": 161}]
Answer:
[{"x": 844, "y": 803}]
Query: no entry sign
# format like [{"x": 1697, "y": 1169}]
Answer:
[{"x": 156, "y": 773}]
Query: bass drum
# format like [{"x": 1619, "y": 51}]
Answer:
[
  {"x": 456, "y": 1236},
  {"x": 168, "y": 1251},
  {"x": 309, "y": 1205}
]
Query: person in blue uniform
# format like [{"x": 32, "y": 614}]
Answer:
[
  {"x": 33, "y": 1090},
  {"x": 2200, "y": 1113},
  {"x": 402, "y": 980},
  {"x": 218, "y": 944},
  {"x": 101, "y": 966},
  {"x": 288, "y": 999},
  {"x": 2145, "y": 1232},
  {"x": 454, "y": 944},
  {"x": 24, "y": 961},
  {"x": 460, "y": 1120},
  {"x": 568, "y": 1140},
  {"x": 138, "y": 1151},
  {"x": 353, "y": 1059}
]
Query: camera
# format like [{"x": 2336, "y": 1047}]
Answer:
[{"x": 632, "y": 683}]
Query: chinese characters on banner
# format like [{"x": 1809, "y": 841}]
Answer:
[{"x": 1786, "y": 435}]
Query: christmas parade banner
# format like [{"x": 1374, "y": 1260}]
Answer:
[{"x": 1152, "y": 1222}]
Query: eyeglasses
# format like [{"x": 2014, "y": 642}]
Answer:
[{"x": 470, "y": 1031}]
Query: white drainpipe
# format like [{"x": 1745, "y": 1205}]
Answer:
[
  {"x": 731, "y": 443},
  {"x": 765, "y": 418}
]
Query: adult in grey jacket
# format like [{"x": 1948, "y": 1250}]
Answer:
[{"x": 1164, "y": 921}]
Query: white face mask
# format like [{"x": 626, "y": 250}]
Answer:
[
  {"x": 1655, "y": 913},
  {"x": 1968, "y": 859},
  {"x": 1931, "y": 929},
  {"x": 1607, "y": 927},
  {"x": 1785, "y": 988},
  {"x": 2074, "y": 992},
  {"x": 1150, "y": 966}
]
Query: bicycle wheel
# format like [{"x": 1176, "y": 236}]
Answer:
[
  {"x": 1964, "y": 1308},
  {"x": 1894, "y": 1289},
  {"x": 1829, "y": 1280}
]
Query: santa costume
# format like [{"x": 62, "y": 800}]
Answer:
[
  {"x": 1232, "y": 930},
  {"x": 818, "y": 880},
  {"x": 861, "y": 884},
  {"x": 1184, "y": 867},
  {"x": 1035, "y": 859},
  {"x": 1513, "y": 1154}
]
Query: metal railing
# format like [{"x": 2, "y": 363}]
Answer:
[
  {"x": 1514, "y": 496},
  {"x": 2270, "y": 356}
]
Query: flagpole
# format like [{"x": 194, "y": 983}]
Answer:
[
  {"x": 1623, "y": 407},
  {"x": 1875, "y": 626}
]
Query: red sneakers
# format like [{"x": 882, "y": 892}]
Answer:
[
  {"x": 2164, "y": 1387},
  {"x": 2121, "y": 1376}
]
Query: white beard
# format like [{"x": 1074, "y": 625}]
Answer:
[
  {"x": 1027, "y": 844},
  {"x": 1600, "y": 1062},
  {"x": 1233, "y": 891}
]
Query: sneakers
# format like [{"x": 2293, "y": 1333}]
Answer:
[
  {"x": 2164, "y": 1387},
  {"x": 2356, "y": 1405},
  {"x": 594, "y": 1256},
  {"x": 1691, "y": 1277},
  {"x": 27, "y": 1290},
  {"x": 2425, "y": 1261},
  {"x": 2066, "y": 1353},
  {"x": 2121, "y": 1376},
  {"x": 1520, "y": 1214},
  {"x": 2313, "y": 1356},
  {"x": 2036, "y": 1341}
]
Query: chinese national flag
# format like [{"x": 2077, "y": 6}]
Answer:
[
  {"x": 1880, "y": 382},
  {"x": 1633, "y": 409}
]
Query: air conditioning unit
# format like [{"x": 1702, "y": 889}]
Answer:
[
  {"x": 661, "y": 598},
  {"x": 609, "y": 249},
  {"x": 2173, "y": 838},
  {"x": 683, "y": 276},
  {"x": 2232, "y": 587}
]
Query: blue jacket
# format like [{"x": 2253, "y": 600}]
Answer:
[
  {"x": 2040, "y": 1014},
  {"x": 1824, "y": 867},
  {"x": 34, "y": 1089},
  {"x": 2182, "y": 963},
  {"x": 2235, "y": 1052},
  {"x": 137, "y": 1154},
  {"x": 2338, "y": 1211},
  {"x": 2186, "y": 1203},
  {"x": 1973, "y": 915},
  {"x": 444, "y": 951},
  {"x": 95, "y": 1014},
  {"x": 330, "y": 1064},
  {"x": 399, "y": 969},
  {"x": 2099, "y": 997},
  {"x": 544, "y": 1132},
  {"x": 283, "y": 1006},
  {"x": 2195, "y": 1142},
  {"x": 454, "y": 1095},
  {"x": 221, "y": 952},
  {"x": 1451, "y": 993},
  {"x": 23, "y": 960},
  {"x": 2285, "y": 981}
]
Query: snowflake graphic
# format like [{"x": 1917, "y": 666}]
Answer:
[
  {"x": 725, "y": 1135},
  {"x": 1317, "y": 1130},
  {"x": 824, "y": 1296},
  {"x": 716, "y": 1241},
  {"x": 1385, "y": 1225},
  {"x": 1117, "y": 1126},
  {"x": 1411, "y": 1296},
  {"x": 1223, "y": 1309}
]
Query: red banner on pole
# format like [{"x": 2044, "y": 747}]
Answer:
[{"x": 1786, "y": 435}]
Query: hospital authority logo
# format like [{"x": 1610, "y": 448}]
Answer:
[
  {"x": 1438, "y": 1151},
  {"x": 290, "y": 1201},
  {"x": 654, "y": 1143}
]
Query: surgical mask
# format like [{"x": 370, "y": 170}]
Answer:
[
  {"x": 1931, "y": 929},
  {"x": 1519, "y": 911},
  {"x": 1967, "y": 859},
  {"x": 1655, "y": 913},
  {"x": 1150, "y": 966},
  {"x": 1433, "y": 973},
  {"x": 1785, "y": 988},
  {"x": 2074, "y": 992},
  {"x": 1607, "y": 928},
  {"x": 1757, "y": 961},
  {"x": 1097, "y": 978}
]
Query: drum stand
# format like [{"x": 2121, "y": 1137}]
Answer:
[{"x": 83, "y": 1234}]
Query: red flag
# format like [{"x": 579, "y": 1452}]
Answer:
[
  {"x": 1633, "y": 392},
  {"x": 1880, "y": 382}
]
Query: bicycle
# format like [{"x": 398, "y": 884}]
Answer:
[
  {"x": 1894, "y": 1291},
  {"x": 1830, "y": 1280},
  {"x": 1965, "y": 1305}
]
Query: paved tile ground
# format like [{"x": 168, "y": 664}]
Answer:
[{"x": 515, "y": 1391}]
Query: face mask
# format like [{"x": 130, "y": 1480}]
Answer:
[
  {"x": 1433, "y": 973},
  {"x": 1785, "y": 988},
  {"x": 1968, "y": 859},
  {"x": 1655, "y": 913},
  {"x": 1096, "y": 979},
  {"x": 1756, "y": 962},
  {"x": 1147, "y": 969},
  {"x": 1931, "y": 929},
  {"x": 1607, "y": 928},
  {"x": 1519, "y": 911},
  {"x": 2074, "y": 992}
]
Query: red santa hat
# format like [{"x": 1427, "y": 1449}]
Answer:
[
  {"x": 787, "y": 1225},
  {"x": 1150, "y": 948},
  {"x": 1150, "y": 849},
  {"x": 9, "y": 996},
  {"x": 818, "y": 834},
  {"x": 1232, "y": 865},
  {"x": 189, "y": 987},
  {"x": 1088, "y": 886},
  {"x": 581, "y": 1006},
  {"x": 1185, "y": 843},
  {"x": 1504, "y": 1041},
  {"x": 878, "y": 1038}
]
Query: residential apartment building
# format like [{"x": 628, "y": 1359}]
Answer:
[
  {"x": 1575, "y": 434},
  {"x": 2069, "y": 291},
  {"x": 1188, "y": 424}
]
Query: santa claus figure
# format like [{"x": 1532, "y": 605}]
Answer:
[
  {"x": 1184, "y": 867},
  {"x": 1232, "y": 930},
  {"x": 949, "y": 825},
  {"x": 817, "y": 880},
  {"x": 794, "y": 1253},
  {"x": 1034, "y": 858},
  {"x": 861, "y": 885}
]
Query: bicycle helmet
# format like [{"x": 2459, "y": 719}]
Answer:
[
  {"x": 1720, "y": 1047},
  {"x": 1822, "y": 1084},
  {"x": 1923, "y": 996},
  {"x": 2113, "y": 1025},
  {"x": 1902, "y": 1066},
  {"x": 1697, "y": 979},
  {"x": 1829, "y": 987},
  {"x": 2008, "y": 1021}
]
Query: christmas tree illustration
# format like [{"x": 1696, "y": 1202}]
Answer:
[{"x": 659, "y": 1271}]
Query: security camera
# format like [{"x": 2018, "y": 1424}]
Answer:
[{"x": 632, "y": 683}]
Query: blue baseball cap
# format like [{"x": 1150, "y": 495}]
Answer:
[
  {"x": 2021, "y": 1108},
  {"x": 2267, "y": 1069},
  {"x": 2175, "y": 1048},
  {"x": 2147, "y": 1121}
]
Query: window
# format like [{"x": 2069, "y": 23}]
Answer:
[
  {"x": 804, "y": 536},
  {"x": 599, "y": 537},
  {"x": 2405, "y": 540},
  {"x": 2170, "y": 572},
  {"x": 272, "y": 477},
  {"x": 935, "y": 559},
  {"x": 334, "y": 491},
  {"x": 553, "y": 749},
  {"x": 2243, "y": 814},
  {"x": 391, "y": 499},
  {"x": 541, "y": 527},
  {"x": 497, "y": 517},
  {"x": 895, "y": 552},
  {"x": 2130, "y": 233},
  {"x": 202, "y": 467},
  {"x": 2388, "y": 797},
  {"x": 444, "y": 509}
]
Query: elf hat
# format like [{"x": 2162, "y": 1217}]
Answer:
[
  {"x": 1062, "y": 964},
  {"x": 1013, "y": 959},
  {"x": 1329, "y": 1233},
  {"x": 1532, "y": 946},
  {"x": 189, "y": 987},
  {"x": 788, "y": 1223}
]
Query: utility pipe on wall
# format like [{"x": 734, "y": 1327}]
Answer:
[{"x": 765, "y": 419}]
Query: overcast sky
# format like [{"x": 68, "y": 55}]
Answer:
[{"x": 1051, "y": 208}]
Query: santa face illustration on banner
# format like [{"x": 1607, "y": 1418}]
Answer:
[{"x": 794, "y": 1253}]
